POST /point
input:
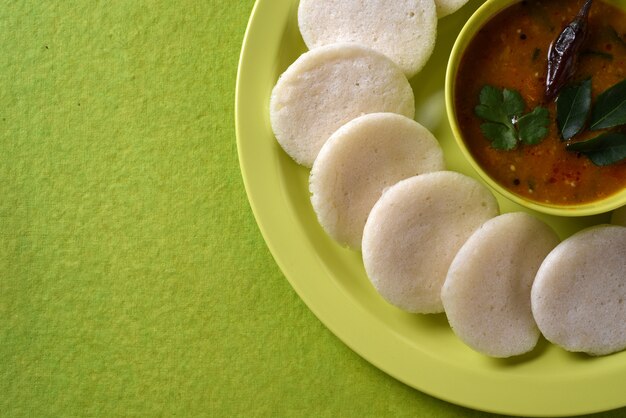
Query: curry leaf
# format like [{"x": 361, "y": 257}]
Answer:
[
  {"x": 572, "y": 108},
  {"x": 533, "y": 126},
  {"x": 605, "y": 149},
  {"x": 610, "y": 108},
  {"x": 501, "y": 136}
]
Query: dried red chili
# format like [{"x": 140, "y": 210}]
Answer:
[{"x": 564, "y": 51}]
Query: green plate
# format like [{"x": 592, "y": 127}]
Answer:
[{"x": 419, "y": 350}]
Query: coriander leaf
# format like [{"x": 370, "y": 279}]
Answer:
[
  {"x": 610, "y": 108},
  {"x": 533, "y": 126},
  {"x": 499, "y": 106},
  {"x": 487, "y": 113},
  {"x": 513, "y": 103},
  {"x": 502, "y": 110},
  {"x": 491, "y": 107},
  {"x": 502, "y": 136},
  {"x": 605, "y": 149},
  {"x": 490, "y": 96},
  {"x": 572, "y": 108}
]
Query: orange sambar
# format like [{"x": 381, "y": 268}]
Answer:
[{"x": 510, "y": 51}]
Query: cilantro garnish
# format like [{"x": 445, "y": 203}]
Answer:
[
  {"x": 533, "y": 126},
  {"x": 505, "y": 125}
]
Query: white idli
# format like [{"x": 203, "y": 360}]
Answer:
[
  {"x": 486, "y": 295},
  {"x": 414, "y": 231},
  {"x": 579, "y": 295},
  {"x": 329, "y": 86},
  {"x": 446, "y": 7},
  {"x": 360, "y": 160},
  {"x": 403, "y": 30},
  {"x": 618, "y": 217}
]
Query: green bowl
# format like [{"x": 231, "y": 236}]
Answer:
[{"x": 489, "y": 9}]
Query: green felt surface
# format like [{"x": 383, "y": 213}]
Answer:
[{"x": 133, "y": 278}]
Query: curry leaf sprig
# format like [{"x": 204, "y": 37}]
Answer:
[
  {"x": 573, "y": 108},
  {"x": 604, "y": 149},
  {"x": 505, "y": 125},
  {"x": 610, "y": 108}
]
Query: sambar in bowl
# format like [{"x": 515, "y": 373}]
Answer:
[{"x": 536, "y": 98}]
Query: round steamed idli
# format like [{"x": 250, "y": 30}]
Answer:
[
  {"x": 579, "y": 295},
  {"x": 415, "y": 230},
  {"x": 360, "y": 160},
  {"x": 403, "y": 30},
  {"x": 486, "y": 295},
  {"x": 618, "y": 217},
  {"x": 446, "y": 7},
  {"x": 329, "y": 86}
]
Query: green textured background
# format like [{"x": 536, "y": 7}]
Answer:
[{"x": 133, "y": 278}]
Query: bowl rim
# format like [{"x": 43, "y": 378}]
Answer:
[{"x": 478, "y": 19}]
